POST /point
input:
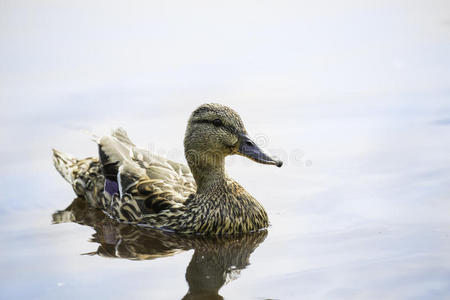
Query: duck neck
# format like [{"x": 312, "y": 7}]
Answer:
[{"x": 208, "y": 170}]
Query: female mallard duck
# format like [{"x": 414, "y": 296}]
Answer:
[{"x": 137, "y": 187}]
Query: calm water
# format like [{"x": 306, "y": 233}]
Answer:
[{"x": 354, "y": 98}]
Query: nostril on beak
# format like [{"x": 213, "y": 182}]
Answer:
[{"x": 250, "y": 143}]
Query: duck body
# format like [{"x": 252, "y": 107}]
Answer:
[
  {"x": 225, "y": 209},
  {"x": 137, "y": 187}
]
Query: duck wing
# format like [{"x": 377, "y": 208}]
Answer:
[{"x": 154, "y": 182}]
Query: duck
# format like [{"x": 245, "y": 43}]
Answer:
[{"x": 134, "y": 186}]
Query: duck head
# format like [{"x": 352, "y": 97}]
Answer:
[{"x": 215, "y": 131}]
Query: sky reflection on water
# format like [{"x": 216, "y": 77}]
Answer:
[{"x": 353, "y": 96}]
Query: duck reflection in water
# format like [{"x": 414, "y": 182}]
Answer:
[{"x": 216, "y": 261}]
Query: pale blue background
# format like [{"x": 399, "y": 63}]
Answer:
[{"x": 354, "y": 96}]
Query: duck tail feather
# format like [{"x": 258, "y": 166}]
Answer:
[{"x": 65, "y": 164}]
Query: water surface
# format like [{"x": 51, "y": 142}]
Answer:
[{"x": 353, "y": 97}]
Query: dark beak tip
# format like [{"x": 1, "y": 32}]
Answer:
[{"x": 279, "y": 164}]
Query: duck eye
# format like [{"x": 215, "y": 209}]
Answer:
[{"x": 217, "y": 122}]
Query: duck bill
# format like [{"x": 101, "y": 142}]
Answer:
[{"x": 249, "y": 149}]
